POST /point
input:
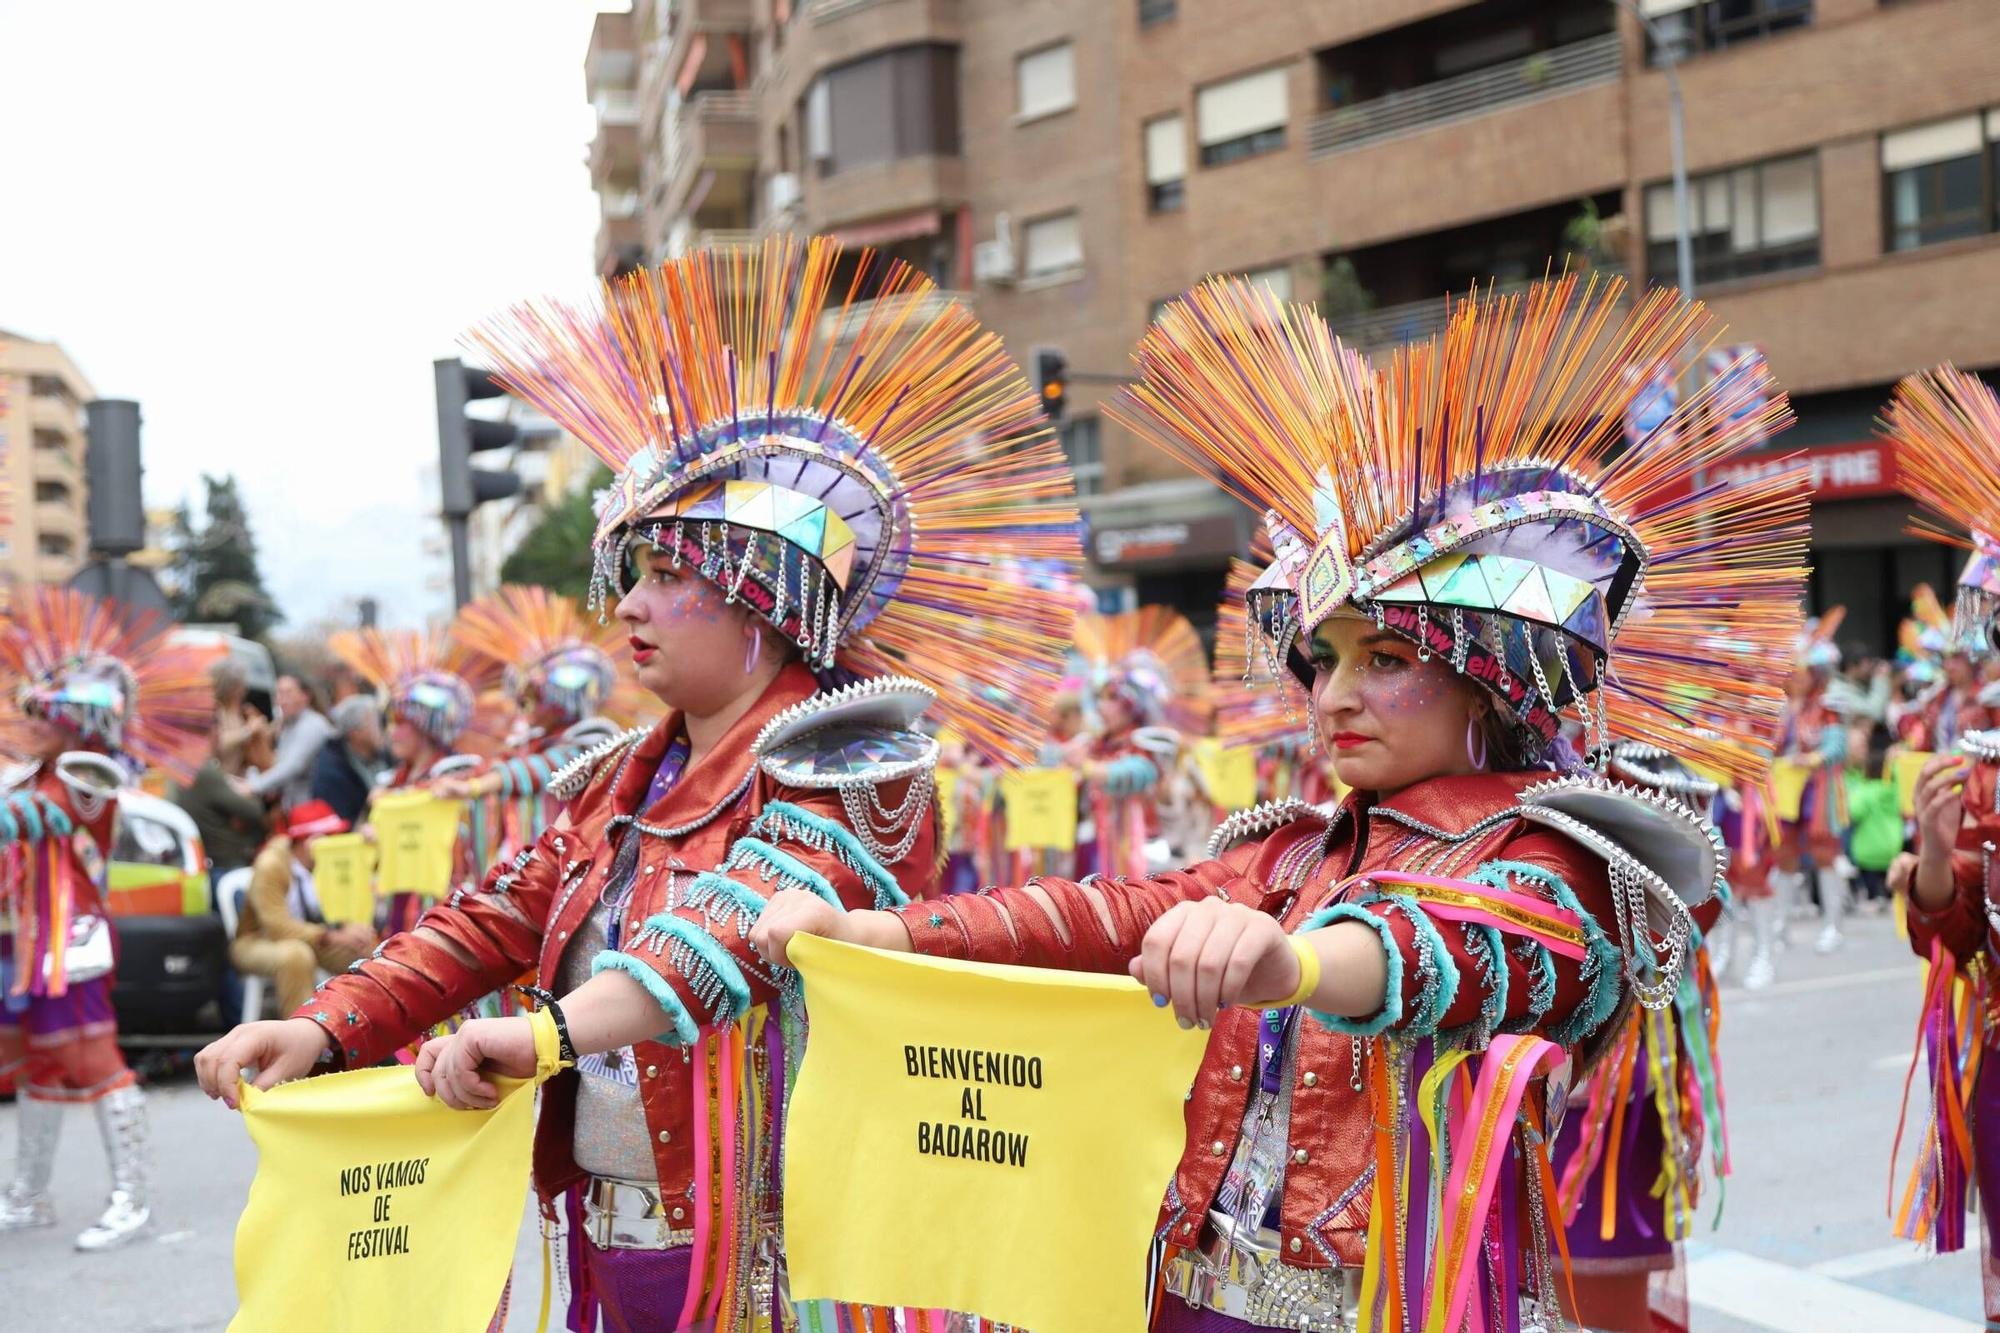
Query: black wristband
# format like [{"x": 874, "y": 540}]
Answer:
[{"x": 565, "y": 1048}]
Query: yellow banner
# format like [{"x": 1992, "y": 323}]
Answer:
[
  {"x": 947, "y": 794},
  {"x": 372, "y": 1201},
  {"x": 1228, "y": 772},
  {"x": 414, "y": 836},
  {"x": 1788, "y": 788},
  {"x": 937, "y": 1097},
  {"x": 344, "y": 878},
  {"x": 1904, "y": 767},
  {"x": 1041, "y": 809}
]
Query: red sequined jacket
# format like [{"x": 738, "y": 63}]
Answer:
[
  {"x": 712, "y": 849},
  {"x": 1961, "y": 924},
  {"x": 1443, "y": 974},
  {"x": 41, "y": 896}
]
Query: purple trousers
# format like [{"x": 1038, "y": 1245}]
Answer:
[{"x": 636, "y": 1291}]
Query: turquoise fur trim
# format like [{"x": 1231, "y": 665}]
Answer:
[
  {"x": 10, "y": 828},
  {"x": 1392, "y": 1002},
  {"x": 782, "y": 819},
  {"x": 23, "y": 804},
  {"x": 713, "y": 975},
  {"x": 1439, "y": 974},
  {"x": 719, "y": 898},
  {"x": 55, "y": 818},
  {"x": 1603, "y": 964},
  {"x": 787, "y": 871},
  {"x": 685, "y": 1030},
  {"x": 1541, "y": 967},
  {"x": 1131, "y": 775},
  {"x": 1488, "y": 950}
]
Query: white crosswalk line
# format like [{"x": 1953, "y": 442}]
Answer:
[
  {"x": 1792, "y": 1300},
  {"x": 1871, "y": 1261}
]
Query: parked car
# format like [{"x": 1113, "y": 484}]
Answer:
[{"x": 172, "y": 950}]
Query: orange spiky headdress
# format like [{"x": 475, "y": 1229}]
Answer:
[
  {"x": 114, "y": 678},
  {"x": 1946, "y": 428},
  {"x": 1152, "y": 658},
  {"x": 1478, "y": 495},
  {"x": 427, "y": 680},
  {"x": 1247, "y": 710},
  {"x": 853, "y": 466},
  {"x": 553, "y": 657},
  {"x": 1924, "y": 637}
]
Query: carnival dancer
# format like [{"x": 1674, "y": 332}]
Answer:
[
  {"x": 1460, "y": 538},
  {"x": 1812, "y": 737},
  {"x": 812, "y": 491},
  {"x": 91, "y": 697},
  {"x": 1945, "y": 425},
  {"x": 1629, "y": 1157},
  {"x": 1147, "y": 681}
]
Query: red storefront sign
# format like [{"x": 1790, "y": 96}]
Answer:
[{"x": 1854, "y": 471}]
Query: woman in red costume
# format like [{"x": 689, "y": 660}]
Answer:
[
  {"x": 92, "y": 697},
  {"x": 1460, "y": 537}
]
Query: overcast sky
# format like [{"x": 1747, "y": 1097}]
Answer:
[{"x": 264, "y": 221}]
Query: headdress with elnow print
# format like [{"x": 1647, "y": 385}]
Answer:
[
  {"x": 1153, "y": 659},
  {"x": 832, "y": 440},
  {"x": 1478, "y": 495},
  {"x": 435, "y": 684},
  {"x": 554, "y": 657},
  {"x": 115, "y": 678},
  {"x": 1946, "y": 428}
]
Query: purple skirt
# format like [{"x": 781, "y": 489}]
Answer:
[{"x": 1639, "y": 1226}]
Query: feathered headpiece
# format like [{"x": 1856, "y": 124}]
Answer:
[
  {"x": 1479, "y": 496},
  {"x": 114, "y": 678},
  {"x": 425, "y": 679},
  {"x": 1924, "y": 637},
  {"x": 1817, "y": 648},
  {"x": 553, "y": 658},
  {"x": 1153, "y": 660},
  {"x": 853, "y": 465},
  {"x": 1946, "y": 428}
]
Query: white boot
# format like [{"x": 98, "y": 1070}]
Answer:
[
  {"x": 1761, "y": 971},
  {"x": 26, "y": 1203},
  {"x": 1720, "y": 941},
  {"x": 1832, "y": 908},
  {"x": 1785, "y": 886},
  {"x": 121, "y": 1117}
]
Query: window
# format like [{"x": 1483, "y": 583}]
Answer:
[
  {"x": 51, "y": 440},
  {"x": 1938, "y": 180},
  {"x": 1241, "y": 118},
  {"x": 1689, "y": 27},
  {"x": 51, "y": 492},
  {"x": 1052, "y": 245},
  {"x": 1156, "y": 11},
  {"x": 48, "y": 386},
  {"x": 1084, "y": 448},
  {"x": 1278, "y": 278},
  {"x": 55, "y": 543},
  {"x": 1166, "y": 164},
  {"x": 1761, "y": 218},
  {"x": 890, "y": 105},
  {"x": 1045, "y": 81}
]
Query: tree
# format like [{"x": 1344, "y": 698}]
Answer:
[
  {"x": 556, "y": 552},
  {"x": 214, "y": 575}
]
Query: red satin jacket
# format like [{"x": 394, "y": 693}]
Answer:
[
  {"x": 1442, "y": 976},
  {"x": 725, "y": 815},
  {"x": 1961, "y": 924}
]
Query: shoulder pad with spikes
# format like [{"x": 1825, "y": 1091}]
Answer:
[
  {"x": 863, "y": 734},
  {"x": 568, "y": 782},
  {"x": 1675, "y": 852},
  {"x": 1981, "y": 745},
  {"x": 1260, "y": 819}
]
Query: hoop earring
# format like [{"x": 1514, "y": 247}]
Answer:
[
  {"x": 753, "y": 650},
  {"x": 1473, "y": 731}
]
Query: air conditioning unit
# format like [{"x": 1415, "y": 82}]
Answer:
[
  {"x": 781, "y": 193},
  {"x": 993, "y": 261}
]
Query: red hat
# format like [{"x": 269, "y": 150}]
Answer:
[{"x": 313, "y": 819}]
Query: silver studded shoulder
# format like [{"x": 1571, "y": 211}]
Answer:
[
  {"x": 833, "y": 703},
  {"x": 1264, "y": 817},
  {"x": 568, "y": 782}
]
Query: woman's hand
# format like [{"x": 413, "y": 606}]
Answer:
[
  {"x": 796, "y": 912},
  {"x": 451, "y": 1068},
  {"x": 1204, "y": 956},
  {"x": 1940, "y": 811},
  {"x": 278, "y": 1051}
]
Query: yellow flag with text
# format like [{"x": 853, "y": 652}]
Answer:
[
  {"x": 414, "y": 835},
  {"x": 373, "y": 1202},
  {"x": 344, "y": 878},
  {"x": 1788, "y": 788},
  {"x": 1025, "y": 1123},
  {"x": 1906, "y": 766},
  {"x": 1041, "y": 809},
  {"x": 1228, "y": 772}
]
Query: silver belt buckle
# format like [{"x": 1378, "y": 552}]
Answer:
[{"x": 1248, "y": 1282}]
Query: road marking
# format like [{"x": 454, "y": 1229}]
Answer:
[
  {"x": 1872, "y": 1261},
  {"x": 1841, "y": 981},
  {"x": 1899, "y": 1062},
  {"x": 1793, "y": 1300}
]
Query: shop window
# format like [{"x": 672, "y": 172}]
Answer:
[
  {"x": 1052, "y": 246},
  {"x": 1760, "y": 218},
  {"x": 1045, "y": 81},
  {"x": 1084, "y": 447},
  {"x": 1689, "y": 27},
  {"x": 884, "y": 107},
  {"x": 1278, "y": 278},
  {"x": 1244, "y": 117},
  {"x": 1938, "y": 180},
  {"x": 1156, "y": 11},
  {"x": 1166, "y": 164}
]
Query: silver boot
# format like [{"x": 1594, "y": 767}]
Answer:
[
  {"x": 26, "y": 1203},
  {"x": 121, "y": 1117},
  {"x": 1786, "y": 886},
  {"x": 1761, "y": 971},
  {"x": 1832, "y": 909}
]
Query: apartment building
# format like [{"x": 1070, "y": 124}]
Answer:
[
  {"x": 1067, "y": 165},
  {"x": 43, "y": 537}
]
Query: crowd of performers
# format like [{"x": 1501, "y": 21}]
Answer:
[{"x": 1512, "y": 686}]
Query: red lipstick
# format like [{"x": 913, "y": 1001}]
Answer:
[
  {"x": 642, "y": 651},
  {"x": 1347, "y": 740}
]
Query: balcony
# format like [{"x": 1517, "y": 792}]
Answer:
[
  {"x": 712, "y": 132},
  {"x": 59, "y": 516},
  {"x": 619, "y": 241},
  {"x": 694, "y": 36},
  {"x": 841, "y": 327},
  {"x": 1391, "y": 326},
  {"x": 686, "y": 237},
  {"x": 614, "y": 153},
  {"x": 884, "y": 189},
  {"x": 1532, "y": 78},
  {"x": 57, "y": 463}
]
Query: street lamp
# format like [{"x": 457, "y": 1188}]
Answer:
[{"x": 1683, "y": 237}]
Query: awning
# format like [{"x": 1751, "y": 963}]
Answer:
[{"x": 885, "y": 231}]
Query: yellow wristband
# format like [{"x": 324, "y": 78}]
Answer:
[{"x": 1308, "y": 972}]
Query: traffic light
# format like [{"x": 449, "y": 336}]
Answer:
[
  {"x": 1051, "y": 380},
  {"x": 463, "y": 487}
]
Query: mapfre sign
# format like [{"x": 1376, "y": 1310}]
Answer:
[{"x": 1839, "y": 471}]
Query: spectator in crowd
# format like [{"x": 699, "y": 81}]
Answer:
[
  {"x": 343, "y": 775},
  {"x": 303, "y": 732},
  {"x": 230, "y": 820},
  {"x": 280, "y": 932},
  {"x": 1875, "y": 810}
]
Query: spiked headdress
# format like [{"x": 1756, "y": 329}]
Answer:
[
  {"x": 553, "y": 658},
  {"x": 113, "y": 678},
  {"x": 1478, "y": 496},
  {"x": 853, "y": 466},
  {"x": 1946, "y": 428},
  {"x": 425, "y": 679},
  {"x": 1247, "y": 710},
  {"x": 1151, "y": 658},
  {"x": 1924, "y": 637}
]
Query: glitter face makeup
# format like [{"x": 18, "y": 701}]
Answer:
[
  {"x": 1388, "y": 718},
  {"x": 686, "y": 639}
]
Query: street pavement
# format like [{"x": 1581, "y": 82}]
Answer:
[{"x": 1814, "y": 1067}]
